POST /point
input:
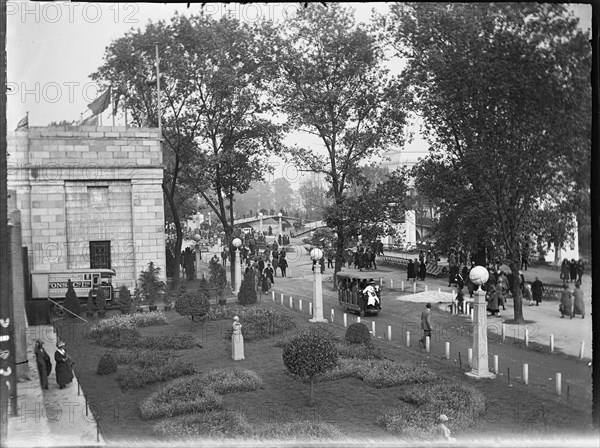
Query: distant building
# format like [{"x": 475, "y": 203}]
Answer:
[{"x": 90, "y": 197}]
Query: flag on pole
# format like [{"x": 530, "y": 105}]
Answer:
[
  {"x": 92, "y": 120},
  {"x": 23, "y": 123},
  {"x": 101, "y": 103}
]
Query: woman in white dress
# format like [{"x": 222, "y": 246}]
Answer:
[{"x": 237, "y": 340}]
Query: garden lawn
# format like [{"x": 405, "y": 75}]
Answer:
[{"x": 349, "y": 404}]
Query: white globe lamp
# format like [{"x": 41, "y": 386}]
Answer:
[
  {"x": 238, "y": 265},
  {"x": 316, "y": 254},
  {"x": 479, "y": 275}
]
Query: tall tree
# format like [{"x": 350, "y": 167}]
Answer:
[
  {"x": 504, "y": 94},
  {"x": 283, "y": 194},
  {"x": 313, "y": 198},
  {"x": 258, "y": 197},
  {"x": 333, "y": 86}
]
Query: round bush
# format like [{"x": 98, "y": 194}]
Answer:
[
  {"x": 192, "y": 304},
  {"x": 357, "y": 333},
  {"x": 107, "y": 364}
]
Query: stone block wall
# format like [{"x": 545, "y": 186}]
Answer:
[{"x": 80, "y": 184}]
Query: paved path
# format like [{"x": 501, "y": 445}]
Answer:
[{"x": 53, "y": 417}]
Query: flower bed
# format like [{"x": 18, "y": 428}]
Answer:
[
  {"x": 416, "y": 416},
  {"x": 135, "y": 377},
  {"x": 257, "y": 323},
  {"x": 197, "y": 393},
  {"x": 126, "y": 321}
]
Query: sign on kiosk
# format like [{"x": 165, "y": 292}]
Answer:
[{"x": 53, "y": 285}]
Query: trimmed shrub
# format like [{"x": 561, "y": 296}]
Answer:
[
  {"x": 217, "y": 277},
  {"x": 100, "y": 298},
  {"x": 300, "y": 430},
  {"x": 192, "y": 304},
  {"x": 210, "y": 424},
  {"x": 72, "y": 301},
  {"x": 417, "y": 416},
  {"x": 107, "y": 364},
  {"x": 247, "y": 294},
  {"x": 310, "y": 354},
  {"x": 359, "y": 351},
  {"x": 357, "y": 333},
  {"x": 197, "y": 393},
  {"x": 150, "y": 319},
  {"x": 167, "y": 342},
  {"x": 117, "y": 322},
  {"x": 142, "y": 357},
  {"x": 125, "y": 300},
  {"x": 150, "y": 286},
  {"x": 135, "y": 377},
  {"x": 90, "y": 302}
]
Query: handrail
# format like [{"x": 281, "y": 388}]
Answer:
[{"x": 68, "y": 311}]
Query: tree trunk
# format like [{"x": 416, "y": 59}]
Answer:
[
  {"x": 179, "y": 233},
  {"x": 516, "y": 291},
  {"x": 339, "y": 253}
]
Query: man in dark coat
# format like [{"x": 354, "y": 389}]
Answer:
[
  {"x": 537, "y": 290},
  {"x": 283, "y": 264},
  {"x": 44, "y": 365},
  {"x": 426, "y": 324},
  {"x": 422, "y": 270}
]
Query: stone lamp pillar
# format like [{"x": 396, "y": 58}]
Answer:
[
  {"x": 316, "y": 254},
  {"x": 280, "y": 227},
  {"x": 260, "y": 215},
  {"x": 479, "y": 275}
]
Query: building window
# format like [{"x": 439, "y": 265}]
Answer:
[
  {"x": 97, "y": 196},
  {"x": 100, "y": 254}
]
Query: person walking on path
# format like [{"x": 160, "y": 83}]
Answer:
[
  {"x": 580, "y": 270},
  {"x": 44, "y": 364},
  {"x": 492, "y": 300},
  {"x": 224, "y": 258},
  {"x": 564, "y": 271},
  {"x": 283, "y": 265},
  {"x": 537, "y": 290},
  {"x": 64, "y": 366},
  {"x": 270, "y": 272},
  {"x": 566, "y": 302},
  {"x": 426, "y": 324},
  {"x": 527, "y": 294},
  {"x": 237, "y": 340},
  {"x": 410, "y": 270},
  {"x": 422, "y": 270},
  {"x": 573, "y": 270},
  {"x": 578, "y": 304}
]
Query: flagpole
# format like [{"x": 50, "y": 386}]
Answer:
[{"x": 158, "y": 94}]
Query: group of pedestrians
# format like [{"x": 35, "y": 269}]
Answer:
[
  {"x": 572, "y": 271},
  {"x": 571, "y": 302},
  {"x": 264, "y": 271},
  {"x": 64, "y": 365}
]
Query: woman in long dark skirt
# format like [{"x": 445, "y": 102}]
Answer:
[
  {"x": 266, "y": 283},
  {"x": 422, "y": 270},
  {"x": 64, "y": 366},
  {"x": 573, "y": 270}
]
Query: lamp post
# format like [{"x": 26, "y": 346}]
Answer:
[
  {"x": 260, "y": 215},
  {"x": 316, "y": 254},
  {"x": 479, "y": 275},
  {"x": 238, "y": 265},
  {"x": 280, "y": 228}
]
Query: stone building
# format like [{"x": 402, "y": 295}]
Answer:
[{"x": 90, "y": 197}]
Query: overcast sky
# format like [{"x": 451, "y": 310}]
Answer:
[{"x": 52, "y": 48}]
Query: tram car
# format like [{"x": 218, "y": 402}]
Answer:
[{"x": 358, "y": 292}]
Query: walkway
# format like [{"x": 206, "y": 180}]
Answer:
[{"x": 53, "y": 417}]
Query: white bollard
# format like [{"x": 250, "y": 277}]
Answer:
[
  {"x": 581, "y": 348},
  {"x": 332, "y": 315},
  {"x": 389, "y": 333},
  {"x": 300, "y": 304},
  {"x": 427, "y": 344},
  {"x": 380, "y": 281},
  {"x": 273, "y": 295},
  {"x": 439, "y": 289},
  {"x": 426, "y": 288},
  {"x": 345, "y": 320},
  {"x": 373, "y": 328},
  {"x": 526, "y": 337},
  {"x": 408, "y": 338},
  {"x": 558, "y": 384},
  {"x": 414, "y": 287},
  {"x": 282, "y": 298},
  {"x": 496, "y": 364},
  {"x": 391, "y": 283},
  {"x": 551, "y": 343},
  {"x": 470, "y": 357},
  {"x": 291, "y": 303},
  {"x": 358, "y": 319},
  {"x": 526, "y": 374},
  {"x": 402, "y": 285},
  {"x": 288, "y": 273},
  {"x": 447, "y": 350},
  {"x": 310, "y": 308},
  {"x": 471, "y": 314},
  {"x": 503, "y": 332}
]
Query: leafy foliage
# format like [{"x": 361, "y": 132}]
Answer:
[
  {"x": 125, "y": 300},
  {"x": 506, "y": 106},
  {"x": 71, "y": 300},
  {"x": 310, "y": 354},
  {"x": 217, "y": 277},
  {"x": 150, "y": 285},
  {"x": 106, "y": 365},
  {"x": 247, "y": 294},
  {"x": 135, "y": 377},
  {"x": 192, "y": 304},
  {"x": 357, "y": 333}
]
